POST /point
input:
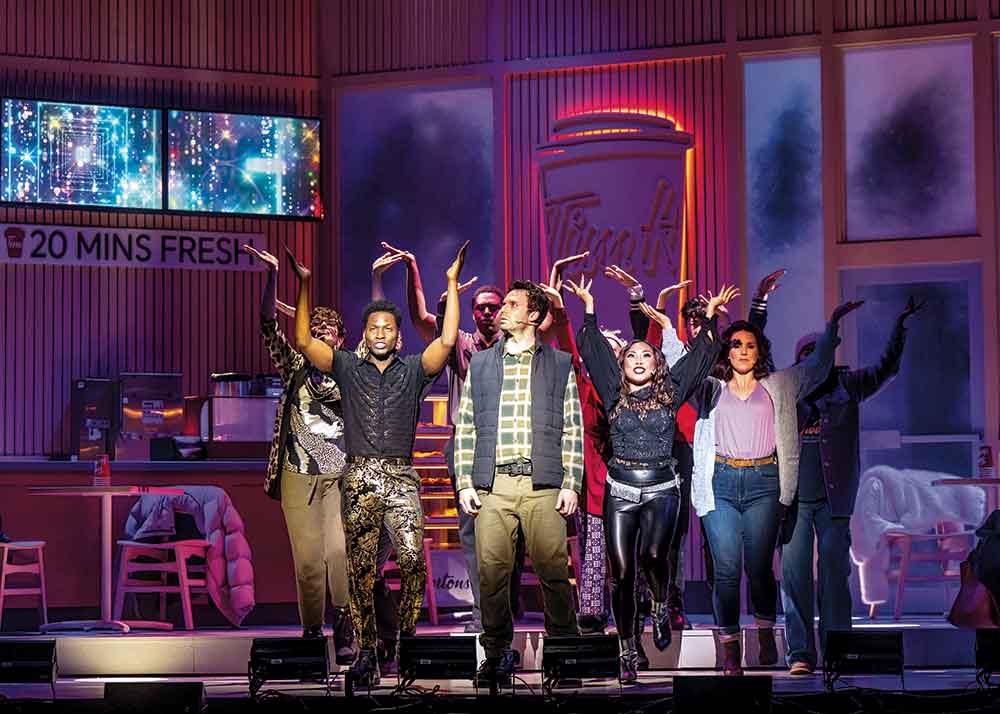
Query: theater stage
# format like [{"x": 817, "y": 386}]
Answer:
[{"x": 939, "y": 661}]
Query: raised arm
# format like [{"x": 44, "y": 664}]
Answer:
[
  {"x": 758, "y": 305},
  {"x": 864, "y": 383},
  {"x": 423, "y": 320},
  {"x": 594, "y": 349},
  {"x": 813, "y": 371},
  {"x": 285, "y": 359},
  {"x": 560, "y": 324},
  {"x": 316, "y": 351},
  {"x": 435, "y": 355}
]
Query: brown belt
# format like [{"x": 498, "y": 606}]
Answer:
[{"x": 746, "y": 463}]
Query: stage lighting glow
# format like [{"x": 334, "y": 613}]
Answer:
[
  {"x": 238, "y": 163},
  {"x": 80, "y": 154}
]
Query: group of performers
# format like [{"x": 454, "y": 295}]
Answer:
[{"x": 625, "y": 436}]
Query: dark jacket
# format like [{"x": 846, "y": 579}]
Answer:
[
  {"x": 837, "y": 401},
  {"x": 550, "y": 370}
]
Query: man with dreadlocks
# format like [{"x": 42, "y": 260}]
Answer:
[{"x": 641, "y": 395}]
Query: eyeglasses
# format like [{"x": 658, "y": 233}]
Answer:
[{"x": 486, "y": 306}]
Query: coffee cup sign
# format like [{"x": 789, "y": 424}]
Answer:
[
  {"x": 14, "y": 237},
  {"x": 613, "y": 184}
]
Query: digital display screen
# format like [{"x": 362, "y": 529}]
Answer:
[
  {"x": 81, "y": 154},
  {"x": 238, "y": 163}
]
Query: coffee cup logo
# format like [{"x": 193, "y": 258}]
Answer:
[{"x": 15, "y": 241}]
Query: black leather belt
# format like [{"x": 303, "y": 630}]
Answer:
[{"x": 521, "y": 467}]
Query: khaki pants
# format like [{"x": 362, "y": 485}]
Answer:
[
  {"x": 512, "y": 503},
  {"x": 312, "y": 509}
]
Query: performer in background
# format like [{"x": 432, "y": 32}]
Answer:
[
  {"x": 746, "y": 464},
  {"x": 519, "y": 464},
  {"x": 829, "y": 470},
  {"x": 381, "y": 396},
  {"x": 641, "y": 395},
  {"x": 305, "y": 466}
]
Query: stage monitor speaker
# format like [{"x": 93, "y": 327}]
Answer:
[
  {"x": 987, "y": 654},
  {"x": 710, "y": 693},
  {"x": 28, "y": 661},
  {"x": 437, "y": 657},
  {"x": 578, "y": 657},
  {"x": 296, "y": 659},
  {"x": 141, "y": 697},
  {"x": 851, "y": 652}
]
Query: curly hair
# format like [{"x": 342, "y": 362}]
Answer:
[
  {"x": 538, "y": 301},
  {"x": 663, "y": 390},
  {"x": 327, "y": 315},
  {"x": 382, "y": 306},
  {"x": 693, "y": 309},
  {"x": 723, "y": 368}
]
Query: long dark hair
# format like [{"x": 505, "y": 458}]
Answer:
[
  {"x": 661, "y": 384},
  {"x": 723, "y": 369}
]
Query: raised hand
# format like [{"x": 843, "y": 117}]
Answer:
[
  {"x": 407, "y": 255},
  {"x": 912, "y": 308},
  {"x": 301, "y": 271},
  {"x": 655, "y": 315},
  {"x": 560, "y": 265},
  {"x": 461, "y": 288},
  {"x": 626, "y": 280},
  {"x": 661, "y": 299},
  {"x": 704, "y": 300},
  {"x": 769, "y": 283},
  {"x": 386, "y": 261},
  {"x": 455, "y": 269},
  {"x": 582, "y": 291},
  {"x": 844, "y": 308},
  {"x": 555, "y": 297},
  {"x": 717, "y": 303},
  {"x": 262, "y": 255}
]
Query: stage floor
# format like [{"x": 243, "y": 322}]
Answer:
[{"x": 938, "y": 657}]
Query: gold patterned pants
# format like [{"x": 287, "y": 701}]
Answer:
[{"x": 380, "y": 493}]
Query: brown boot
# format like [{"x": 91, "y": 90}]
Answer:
[{"x": 732, "y": 658}]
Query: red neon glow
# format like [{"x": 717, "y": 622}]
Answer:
[
  {"x": 597, "y": 132},
  {"x": 643, "y": 111}
]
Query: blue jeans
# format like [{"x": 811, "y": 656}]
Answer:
[
  {"x": 745, "y": 519},
  {"x": 833, "y": 569}
]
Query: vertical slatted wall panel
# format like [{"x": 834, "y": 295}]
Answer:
[
  {"x": 763, "y": 19},
  {"x": 994, "y": 8},
  {"x": 408, "y": 34},
  {"x": 691, "y": 91},
  {"x": 872, "y": 14},
  {"x": 551, "y": 28},
  {"x": 62, "y": 323},
  {"x": 267, "y": 36}
]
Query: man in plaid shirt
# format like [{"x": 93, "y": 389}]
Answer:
[{"x": 519, "y": 462}]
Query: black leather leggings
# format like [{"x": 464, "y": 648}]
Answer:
[{"x": 638, "y": 535}]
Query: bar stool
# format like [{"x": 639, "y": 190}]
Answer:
[
  {"x": 166, "y": 559},
  {"x": 13, "y": 564},
  {"x": 430, "y": 597}
]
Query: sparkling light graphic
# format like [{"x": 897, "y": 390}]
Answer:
[
  {"x": 80, "y": 154},
  {"x": 236, "y": 163}
]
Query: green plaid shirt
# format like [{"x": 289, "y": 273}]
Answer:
[{"x": 514, "y": 428}]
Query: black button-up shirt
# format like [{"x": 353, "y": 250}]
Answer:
[{"x": 381, "y": 409}]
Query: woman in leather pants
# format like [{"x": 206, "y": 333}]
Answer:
[{"x": 641, "y": 396}]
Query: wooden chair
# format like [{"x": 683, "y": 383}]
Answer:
[
  {"x": 19, "y": 558},
  {"x": 430, "y": 596},
  {"x": 177, "y": 576},
  {"x": 951, "y": 543}
]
